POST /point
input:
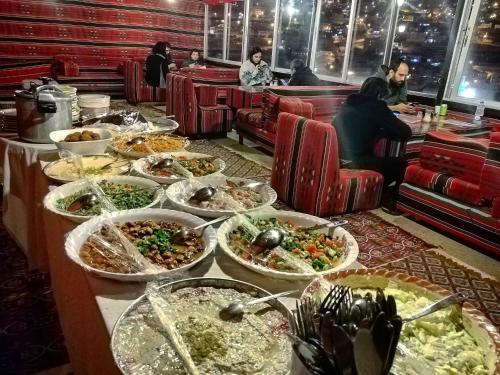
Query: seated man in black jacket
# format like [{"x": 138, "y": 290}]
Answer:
[
  {"x": 302, "y": 75},
  {"x": 363, "y": 119}
]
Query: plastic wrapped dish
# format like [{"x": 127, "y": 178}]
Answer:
[
  {"x": 302, "y": 254},
  {"x": 148, "y": 251},
  {"x": 231, "y": 196},
  {"x": 256, "y": 344},
  {"x": 125, "y": 192},
  {"x": 186, "y": 165},
  {"x": 154, "y": 143},
  {"x": 64, "y": 170},
  {"x": 450, "y": 341}
]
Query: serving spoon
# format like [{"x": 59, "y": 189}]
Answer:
[
  {"x": 83, "y": 202},
  {"x": 163, "y": 163},
  {"x": 207, "y": 192},
  {"x": 180, "y": 236},
  {"x": 138, "y": 141},
  {"x": 237, "y": 309},
  {"x": 273, "y": 237},
  {"x": 454, "y": 299}
]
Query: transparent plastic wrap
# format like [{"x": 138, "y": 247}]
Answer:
[
  {"x": 179, "y": 172},
  {"x": 338, "y": 251},
  {"x": 175, "y": 328},
  {"x": 146, "y": 237},
  {"x": 228, "y": 197}
]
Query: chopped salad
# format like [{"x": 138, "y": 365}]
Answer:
[{"x": 316, "y": 249}]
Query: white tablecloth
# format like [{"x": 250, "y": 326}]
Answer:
[{"x": 23, "y": 192}]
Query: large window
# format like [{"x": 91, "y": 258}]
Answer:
[
  {"x": 332, "y": 37},
  {"x": 480, "y": 74},
  {"x": 371, "y": 30},
  {"x": 422, "y": 34},
  {"x": 215, "y": 31},
  {"x": 294, "y": 31},
  {"x": 235, "y": 34},
  {"x": 261, "y": 27}
]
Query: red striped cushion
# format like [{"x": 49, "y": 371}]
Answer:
[
  {"x": 454, "y": 155},
  {"x": 358, "y": 190},
  {"x": 452, "y": 187}
]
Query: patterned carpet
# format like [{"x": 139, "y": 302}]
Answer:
[
  {"x": 379, "y": 241},
  {"x": 30, "y": 336}
]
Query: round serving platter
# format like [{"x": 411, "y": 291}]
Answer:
[{"x": 351, "y": 249}]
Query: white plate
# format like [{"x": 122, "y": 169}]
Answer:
[
  {"x": 50, "y": 200},
  {"x": 296, "y": 218},
  {"x": 139, "y": 166},
  {"x": 79, "y": 235},
  {"x": 63, "y": 170},
  {"x": 135, "y": 154},
  {"x": 181, "y": 191}
]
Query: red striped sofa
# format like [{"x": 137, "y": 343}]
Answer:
[
  {"x": 455, "y": 186},
  {"x": 13, "y": 72},
  {"x": 197, "y": 97},
  {"x": 259, "y": 124},
  {"x": 306, "y": 170}
]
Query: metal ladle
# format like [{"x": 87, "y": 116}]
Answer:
[
  {"x": 269, "y": 238},
  {"x": 83, "y": 202},
  {"x": 237, "y": 309},
  {"x": 207, "y": 192},
  {"x": 181, "y": 235},
  {"x": 138, "y": 141},
  {"x": 163, "y": 163}
]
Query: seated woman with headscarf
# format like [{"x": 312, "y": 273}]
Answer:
[
  {"x": 255, "y": 71},
  {"x": 158, "y": 64},
  {"x": 362, "y": 120},
  {"x": 195, "y": 60}
]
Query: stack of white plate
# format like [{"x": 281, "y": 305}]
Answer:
[
  {"x": 94, "y": 104},
  {"x": 71, "y": 92},
  {"x": 8, "y": 120}
]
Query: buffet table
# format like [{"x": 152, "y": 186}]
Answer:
[{"x": 88, "y": 306}]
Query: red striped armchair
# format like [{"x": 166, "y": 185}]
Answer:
[{"x": 307, "y": 175}]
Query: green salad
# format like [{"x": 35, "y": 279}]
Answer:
[{"x": 123, "y": 196}]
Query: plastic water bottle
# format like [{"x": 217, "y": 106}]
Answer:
[{"x": 479, "y": 111}]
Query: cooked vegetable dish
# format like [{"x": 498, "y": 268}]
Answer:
[
  {"x": 152, "y": 239},
  {"x": 197, "y": 167},
  {"x": 315, "y": 249},
  {"x": 123, "y": 196},
  {"x": 255, "y": 345},
  {"x": 230, "y": 197},
  {"x": 82, "y": 136}
]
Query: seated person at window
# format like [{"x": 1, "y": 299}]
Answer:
[
  {"x": 195, "y": 60},
  {"x": 158, "y": 64},
  {"x": 363, "y": 119},
  {"x": 255, "y": 71},
  {"x": 396, "y": 75},
  {"x": 302, "y": 75}
]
